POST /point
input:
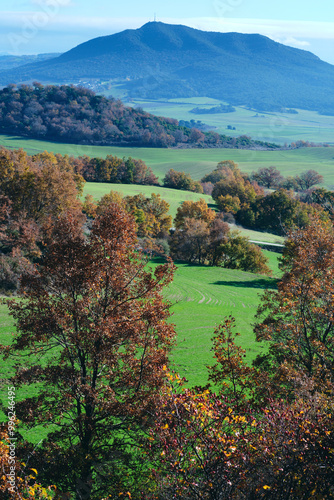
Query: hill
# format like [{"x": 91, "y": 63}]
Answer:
[
  {"x": 9, "y": 61},
  {"x": 76, "y": 115},
  {"x": 161, "y": 60}
]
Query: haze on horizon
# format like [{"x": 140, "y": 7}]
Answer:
[{"x": 40, "y": 26}]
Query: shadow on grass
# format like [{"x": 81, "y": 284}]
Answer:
[{"x": 264, "y": 283}]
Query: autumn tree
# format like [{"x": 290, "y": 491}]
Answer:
[
  {"x": 297, "y": 320},
  {"x": 181, "y": 180},
  {"x": 269, "y": 177},
  {"x": 92, "y": 334},
  {"x": 224, "y": 170},
  {"x": 191, "y": 242},
  {"x": 198, "y": 210},
  {"x": 150, "y": 213},
  {"x": 308, "y": 179}
]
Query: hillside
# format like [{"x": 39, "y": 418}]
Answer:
[
  {"x": 161, "y": 60},
  {"x": 9, "y": 61},
  {"x": 76, "y": 115}
]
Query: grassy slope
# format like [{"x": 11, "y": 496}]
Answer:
[
  {"x": 201, "y": 298},
  {"x": 197, "y": 162},
  {"x": 173, "y": 196}
]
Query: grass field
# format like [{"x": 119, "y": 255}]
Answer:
[
  {"x": 265, "y": 126},
  {"x": 197, "y": 162},
  {"x": 174, "y": 197},
  {"x": 201, "y": 298}
]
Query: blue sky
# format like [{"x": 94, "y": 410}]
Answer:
[{"x": 36, "y": 26}]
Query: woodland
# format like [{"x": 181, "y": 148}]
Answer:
[
  {"x": 94, "y": 336},
  {"x": 77, "y": 115}
]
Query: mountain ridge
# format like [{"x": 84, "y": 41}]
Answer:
[{"x": 162, "y": 60}]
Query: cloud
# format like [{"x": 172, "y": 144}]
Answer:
[
  {"x": 272, "y": 28},
  {"x": 293, "y": 42},
  {"x": 52, "y": 3}
]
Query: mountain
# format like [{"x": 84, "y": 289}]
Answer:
[
  {"x": 162, "y": 60},
  {"x": 8, "y": 61}
]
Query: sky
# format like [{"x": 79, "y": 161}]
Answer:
[{"x": 41, "y": 26}]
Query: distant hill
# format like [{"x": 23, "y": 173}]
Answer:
[
  {"x": 161, "y": 60},
  {"x": 76, "y": 115},
  {"x": 8, "y": 61}
]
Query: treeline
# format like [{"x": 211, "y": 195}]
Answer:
[
  {"x": 36, "y": 190},
  {"x": 76, "y": 115},
  {"x": 242, "y": 199},
  {"x": 221, "y": 108}
]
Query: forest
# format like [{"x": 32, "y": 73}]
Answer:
[
  {"x": 77, "y": 115},
  {"x": 84, "y": 281}
]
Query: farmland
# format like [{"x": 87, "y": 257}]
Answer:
[
  {"x": 265, "y": 126},
  {"x": 196, "y": 162}
]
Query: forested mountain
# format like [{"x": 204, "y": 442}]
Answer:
[
  {"x": 161, "y": 60},
  {"x": 76, "y": 115}
]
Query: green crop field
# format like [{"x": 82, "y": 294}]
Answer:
[
  {"x": 196, "y": 162},
  {"x": 201, "y": 297},
  {"x": 265, "y": 126}
]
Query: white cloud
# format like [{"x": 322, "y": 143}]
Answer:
[
  {"x": 293, "y": 42},
  {"x": 270, "y": 27},
  {"x": 52, "y": 3}
]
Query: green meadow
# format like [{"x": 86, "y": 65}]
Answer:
[
  {"x": 265, "y": 126},
  {"x": 201, "y": 297},
  {"x": 196, "y": 162},
  {"x": 175, "y": 199}
]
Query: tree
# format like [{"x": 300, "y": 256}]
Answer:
[
  {"x": 238, "y": 253},
  {"x": 198, "y": 210},
  {"x": 94, "y": 336},
  {"x": 190, "y": 243},
  {"x": 297, "y": 319},
  {"x": 308, "y": 179},
  {"x": 223, "y": 171},
  {"x": 181, "y": 180},
  {"x": 268, "y": 177}
]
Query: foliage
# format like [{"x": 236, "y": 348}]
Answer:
[
  {"x": 33, "y": 191},
  {"x": 115, "y": 170},
  {"x": 268, "y": 177},
  {"x": 76, "y": 115},
  {"x": 202, "y": 237},
  {"x": 44, "y": 185},
  {"x": 238, "y": 253},
  {"x": 93, "y": 328},
  {"x": 198, "y": 210},
  {"x": 181, "y": 180},
  {"x": 308, "y": 179},
  {"x": 297, "y": 319},
  {"x": 17, "y": 481},
  {"x": 276, "y": 213},
  {"x": 232, "y": 190},
  {"x": 151, "y": 214}
]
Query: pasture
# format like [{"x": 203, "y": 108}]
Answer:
[
  {"x": 265, "y": 126},
  {"x": 196, "y": 162},
  {"x": 175, "y": 199},
  {"x": 201, "y": 297}
]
